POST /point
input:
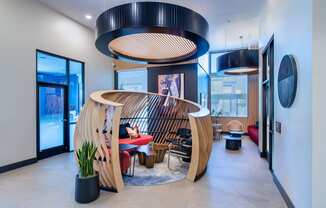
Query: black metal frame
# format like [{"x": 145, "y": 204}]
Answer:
[
  {"x": 57, "y": 150},
  {"x": 151, "y": 17},
  {"x": 268, "y": 85}
]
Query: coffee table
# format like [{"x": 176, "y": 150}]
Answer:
[
  {"x": 146, "y": 156},
  {"x": 232, "y": 142}
]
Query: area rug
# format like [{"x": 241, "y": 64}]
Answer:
[{"x": 160, "y": 174}]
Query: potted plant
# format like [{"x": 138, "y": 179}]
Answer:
[{"x": 87, "y": 180}]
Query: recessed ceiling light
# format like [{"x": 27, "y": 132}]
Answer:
[{"x": 87, "y": 16}]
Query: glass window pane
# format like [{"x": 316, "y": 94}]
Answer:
[
  {"x": 203, "y": 81},
  {"x": 75, "y": 95},
  {"x": 135, "y": 80},
  {"x": 51, "y": 117},
  {"x": 71, "y": 136},
  {"x": 75, "y": 90},
  {"x": 51, "y": 69},
  {"x": 229, "y": 96}
]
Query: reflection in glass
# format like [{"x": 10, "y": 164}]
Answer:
[{"x": 51, "y": 117}]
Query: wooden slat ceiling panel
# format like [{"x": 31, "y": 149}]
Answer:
[{"x": 153, "y": 46}]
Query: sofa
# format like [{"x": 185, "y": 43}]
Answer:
[{"x": 253, "y": 133}]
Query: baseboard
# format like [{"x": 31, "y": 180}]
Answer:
[
  {"x": 283, "y": 192},
  {"x": 16, "y": 165}
]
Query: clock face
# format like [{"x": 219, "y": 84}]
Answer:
[{"x": 287, "y": 81}]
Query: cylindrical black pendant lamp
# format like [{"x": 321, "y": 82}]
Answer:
[
  {"x": 152, "y": 32},
  {"x": 243, "y": 61}
]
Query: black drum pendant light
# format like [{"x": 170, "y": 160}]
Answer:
[
  {"x": 151, "y": 32},
  {"x": 243, "y": 61}
]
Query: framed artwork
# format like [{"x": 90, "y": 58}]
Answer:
[{"x": 171, "y": 84}]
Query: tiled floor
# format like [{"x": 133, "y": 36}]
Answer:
[{"x": 233, "y": 180}]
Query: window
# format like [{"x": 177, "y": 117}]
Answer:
[
  {"x": 135, "y": 80},
  {"x": 229, "y": 96},
  {"x": 203, "y": 80},
  {"x": 51, "y": 69},
  {"x": 75, "y": 89},
  {"x": 76, "y": 96}
]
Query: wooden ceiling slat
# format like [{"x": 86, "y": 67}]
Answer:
[{"x": 153, "y": 46}]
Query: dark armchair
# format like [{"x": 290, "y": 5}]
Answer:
[{"x": 180, "y": 146}]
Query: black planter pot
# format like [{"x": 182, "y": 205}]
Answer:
[{"x": 87, "y": 189}]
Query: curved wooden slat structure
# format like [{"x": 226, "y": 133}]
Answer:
[{"x": 157, "y": 115}]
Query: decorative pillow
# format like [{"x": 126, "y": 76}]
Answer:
[
  {"x": 133, "y": 132},
  {"x": 123, "y": 133}
]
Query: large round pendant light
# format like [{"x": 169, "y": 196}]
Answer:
[
  {"x": 243, "y": 61},
  {"x": 151, "y": 32}
]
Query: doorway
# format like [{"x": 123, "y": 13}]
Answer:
[
  {"x": 268, "y": 102},
  {"x": 52, "y": 119},
  {"x": 60, "y": 97}
]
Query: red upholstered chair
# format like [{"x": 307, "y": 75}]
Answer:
[
  {"x": 125, "y": 158},
  {"x": 253, "y": 133},
  {"x": 125, "y": 161}
]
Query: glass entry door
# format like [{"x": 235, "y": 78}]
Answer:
[{"x": 52, "y": 119}]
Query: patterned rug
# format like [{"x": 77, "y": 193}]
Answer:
[{"x": 160, "y": 174}]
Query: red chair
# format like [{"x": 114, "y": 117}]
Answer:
[
  {"x": 125, "y": 161},
  {"x": 125, "y": 158}
]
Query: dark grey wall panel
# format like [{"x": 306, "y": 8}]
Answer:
[{"x": 190, "y": 78}]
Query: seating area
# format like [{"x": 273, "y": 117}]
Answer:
[
  {"x": 168, "y": 126},
  {"x": 162, "y": 104}
]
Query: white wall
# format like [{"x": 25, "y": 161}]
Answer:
[
  {"x": 319, "y": 105},
  {"x": 291, "y": 23},
  {"x": 27, "y": 25}
]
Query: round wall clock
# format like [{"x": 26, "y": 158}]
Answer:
[{"x": 287, "y": 81}]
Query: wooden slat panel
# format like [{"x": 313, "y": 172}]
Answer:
[
  {"x": 89, "y": 128},
  {"x": 153, "y": 114}
]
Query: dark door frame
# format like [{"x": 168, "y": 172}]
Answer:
[
  {"x": 268, "y": 84},
  {"x": 59, "y": 149},
  {"x": 67, "y": 59}
]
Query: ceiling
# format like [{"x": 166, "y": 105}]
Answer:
[{"x": 228, "y": 19}]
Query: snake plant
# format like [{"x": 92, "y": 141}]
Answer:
[{"x": 86, "y": 156}]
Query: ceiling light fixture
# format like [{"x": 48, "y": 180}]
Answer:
[
  {"x": 243, "y": 61},
  {"x": 151, "y": 32},
  {"x": 89, "y": 17}
]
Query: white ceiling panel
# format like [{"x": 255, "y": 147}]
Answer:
[{"x": 228, "y": 19}]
